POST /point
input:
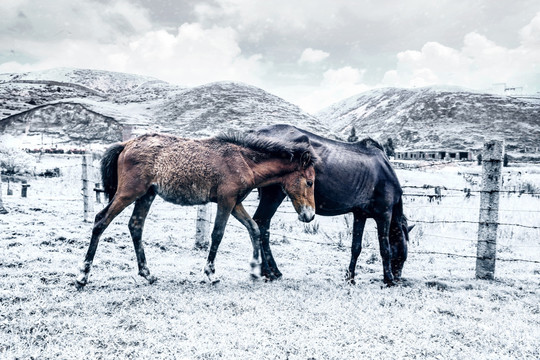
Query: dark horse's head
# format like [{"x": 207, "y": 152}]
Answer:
[
  {"x": 296, "y": 158},
  {"x": 399, "y": 239}
]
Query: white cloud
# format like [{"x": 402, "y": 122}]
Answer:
[
  {"x": 62, "y": 19},
  {"x": 193, "y": 56},
  {"x": 336, "y": 85},
  {"x": 117, "y": 36},
  {"x": 478, "y": 64},
  {"x": 310, "y": 55}
]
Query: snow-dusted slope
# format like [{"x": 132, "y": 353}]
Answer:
[
  {"x": 436, "y": 117},
  {"x": 207, "y": 109},
  {"x": 43, "y": 103},
  {"x": 107, "y": 82}
]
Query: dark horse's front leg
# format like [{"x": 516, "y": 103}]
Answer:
[
  {"x": 383, "y": 230},
  {"x": 270, "y": 199},
  {"x": 241, "y": 215},
  {"x": 356, "y": 247},
  {"x": 224, "y": 209}
]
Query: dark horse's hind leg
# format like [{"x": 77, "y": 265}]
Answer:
[
  {"x": 356, "y": 247},
  {"x": 383, "y": 230},
  {"x": 103, "y": 219},
  {"x": 271, "y": 197},
  {"x": 136, "y": 224}
]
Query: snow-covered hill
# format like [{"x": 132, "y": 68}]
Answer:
[
  {"x": 106, "y": 82},
  {"x": 40, "y": 105},
  {"x": 438, "y": 117},
  {"x": 213, "y": 107}
]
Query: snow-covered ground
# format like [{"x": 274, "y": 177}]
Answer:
[{"x": 440, "y": 311}]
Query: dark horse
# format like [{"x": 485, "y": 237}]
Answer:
[
  {"x": 351, "y": 177},
  {"x": 222, "y": 169}
]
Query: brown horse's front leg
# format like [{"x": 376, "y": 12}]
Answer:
[
  {"x": 224, "y": 209},
  {"x": 241, "y": 215}
]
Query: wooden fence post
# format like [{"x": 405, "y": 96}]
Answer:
[
  {"x": 2, "y": 209},
  {"x": 489, "y": 209},
  {"x": 86, "y": 190},
  {"x": 202, "y": 226},
  {"x": 24, "y": 188},
  {"x": 97, "y": 189}
]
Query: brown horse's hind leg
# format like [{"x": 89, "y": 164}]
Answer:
[
  {"x": 136, "y": 224},
  {"x": 102, "y": 220},
  {"x": 224, "y": 209},
  {"x": 241, "y": 215}
]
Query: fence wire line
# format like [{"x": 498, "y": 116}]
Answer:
[
  {"x": 401, "y": 165},
  {"x": 287, "y": 236},
  {"x": 470, "y": 222},
  {"x": 472, "y": 256},
  {"x": 467, "y": 190},
  {"x": 466, "y": 208}
]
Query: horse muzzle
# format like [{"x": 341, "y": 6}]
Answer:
[{"x": 306, "y": 214}]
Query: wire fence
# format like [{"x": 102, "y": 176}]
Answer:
[{"x": 430, "y": 206}]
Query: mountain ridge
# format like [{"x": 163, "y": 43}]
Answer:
[
  {"x": 435, "y": 117},
  {"x": 38, "y": 105}
]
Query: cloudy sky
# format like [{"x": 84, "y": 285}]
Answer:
[{"x": 309, "y": 52}]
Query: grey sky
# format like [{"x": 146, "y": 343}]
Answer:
[{"x": 311, "y": 52}]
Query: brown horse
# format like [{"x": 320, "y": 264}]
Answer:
[{"x": 223, "y": 169}]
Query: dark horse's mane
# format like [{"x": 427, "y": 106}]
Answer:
[
  {"x": 294, "y": 150},
  {"x": 369, "y": 142}
]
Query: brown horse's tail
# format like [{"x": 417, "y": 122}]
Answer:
[{"x": 109, "y": 169}]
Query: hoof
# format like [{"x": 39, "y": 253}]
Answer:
[
  {"x": 269, "y": 276},
  {"x": 351, "y": 281},
  {"x": 151, "y": 279},
  {"x": 215, "y": 281},
  {"x": 390, "y": 283},
  {"x": 277, "y": 273},
  {"x": 79, "y": 285}
]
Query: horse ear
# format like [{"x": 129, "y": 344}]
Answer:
[
  {"x": 410, "y": 228},
  {"x": 302, "y": 139},
  {"x": 306, "y": 159}
]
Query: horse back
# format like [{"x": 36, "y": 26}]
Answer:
[
  {"x": 350, "y": 176},
  {"x": 183, "y": 171}
]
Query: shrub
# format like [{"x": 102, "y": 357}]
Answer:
[{"x": 12, "y": 159}]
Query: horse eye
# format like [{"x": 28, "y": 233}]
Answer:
[{"x": 309, "y": 183}]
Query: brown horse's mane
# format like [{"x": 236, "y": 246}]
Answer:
[{"x": 294, "y": 150}]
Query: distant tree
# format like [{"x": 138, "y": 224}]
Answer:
[
  {"x": 352, "y": 137},
  {"x": 479, "y": 159},
  {"x": 505, "y": 160},
  {"x": 389, "y": 148},
  {"x": 13, "y": 160}
]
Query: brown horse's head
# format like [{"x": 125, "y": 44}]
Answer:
[
  {"x": 292, "y": 164},
  {"x": 300, "y": 184}
]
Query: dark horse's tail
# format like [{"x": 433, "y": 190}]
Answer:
[{"x": 109, "y": 169}]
